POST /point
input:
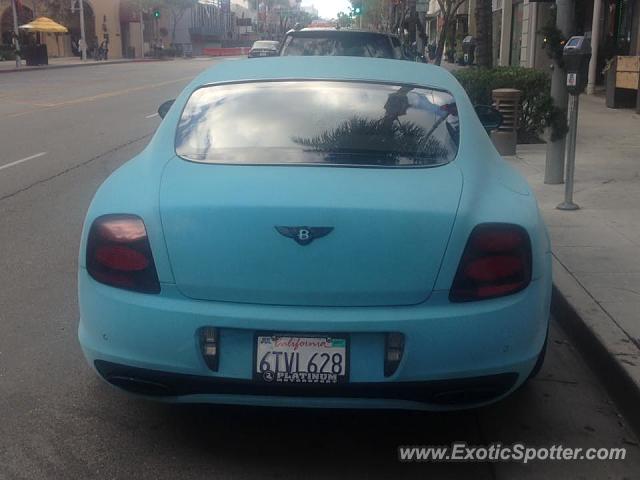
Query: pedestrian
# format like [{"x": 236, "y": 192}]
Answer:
[
  {"x": 106, "y": 47},
  {"x": 94, "y": 48},
  {"x": 75, "y": 50},
  {"x": 82, "y": 45}
]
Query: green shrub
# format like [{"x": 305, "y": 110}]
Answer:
[
  {"x": 7, "y": 53},
  {"x": 536, "y": 105}
]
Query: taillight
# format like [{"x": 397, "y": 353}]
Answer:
[
  {"x": 495, "y": 262},
  {"x": 119, "y": 254},
  {"x": 450, "y": 108}
]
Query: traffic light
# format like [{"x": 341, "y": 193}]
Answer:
[
  {"x": 357, "y": 9},
  {"x": 156, "y": 13}
]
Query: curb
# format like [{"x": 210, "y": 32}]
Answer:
[
  {"x": 76, "y": 65},
  {"x": 606, "y": 348}
]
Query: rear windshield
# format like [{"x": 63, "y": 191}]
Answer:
[
  {"x": 319, "y": 122},
  {"x": 338, "y": 44},
  {"x": 268, "y": 45}
]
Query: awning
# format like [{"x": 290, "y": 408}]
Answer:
[{"x": 44, "y": 24}]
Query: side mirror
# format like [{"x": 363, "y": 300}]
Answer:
[
  {"x": 490, "y": 118},
  {"x": 164, "y": 108}
]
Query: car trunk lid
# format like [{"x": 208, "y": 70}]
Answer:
[{"x": 388, "y": 231}]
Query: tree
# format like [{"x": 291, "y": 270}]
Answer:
[
  {"x": 344, "y": 20},
  {"x": 177, "y": 8},
  {"x": 375, "y": 13},
  {"x": 484, "y": 34},
  {"x": 399, "y": 12},
  {"x": 448, "y": 10},
  {"x": 305, "y": 18}
]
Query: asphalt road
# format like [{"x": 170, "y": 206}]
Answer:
[{"x": 58, "y": 420}]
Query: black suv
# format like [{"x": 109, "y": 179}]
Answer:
[{"x": 342, "y": 42}]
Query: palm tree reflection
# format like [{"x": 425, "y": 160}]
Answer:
[{"x": 384, "y": 141}]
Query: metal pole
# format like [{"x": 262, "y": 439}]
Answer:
[
  {"x": 571, "y": 156},
  {"x": 83, "y": 38},
  {"x": 533, "y": 27},
  {"x": 506, "y": 24},
  {"x": 16, "y": 41},
  {"x": 141, "y": 33},
  {"x": 419, "y": 39},
  {"x": 595, "y": 43},
  {"x": 554, "y": 164}
]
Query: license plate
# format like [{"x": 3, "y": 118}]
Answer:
[
  {"x": 263, "y": 54},
  {"x": 290, "y": 359}
]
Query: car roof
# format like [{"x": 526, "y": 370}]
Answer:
[
  {"x": 271, "y": 42},
  {"x": 338, "y": 31},
  {"x": 330, "y": 68}
]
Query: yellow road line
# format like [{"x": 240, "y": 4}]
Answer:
[
  {"x": 93, "y": 98},
  {"x": 24, "y": 102}
]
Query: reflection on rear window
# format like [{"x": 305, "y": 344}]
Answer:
[
  {"x": 319, "y": 122},
  {"x": 344, "y": 45}
]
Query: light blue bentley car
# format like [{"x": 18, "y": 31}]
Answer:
[{"x": 317, "y": 232}]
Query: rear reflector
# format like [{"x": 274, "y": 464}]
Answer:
[
  {"x": 119, "y": 254},
  {"x": 209, "y": 346},
  {"x": 394, "y": 349},
  {"x": 495, "y": 262}
]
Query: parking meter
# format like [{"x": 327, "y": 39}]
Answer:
[
  {"x": 576, "y": 55},
  {"x": 468, "y": 49}
]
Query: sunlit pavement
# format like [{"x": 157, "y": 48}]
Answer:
[{"x": 60, "y": 421}]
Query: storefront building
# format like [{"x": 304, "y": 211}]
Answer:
[
  {"x": 517, "y": 39},
  {"x": 114, "y": 22}
]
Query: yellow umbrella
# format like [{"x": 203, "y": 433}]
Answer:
[{"x": 44, "y": 24}]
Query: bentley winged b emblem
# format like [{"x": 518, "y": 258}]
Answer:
[{"x": 304, "y": 235}]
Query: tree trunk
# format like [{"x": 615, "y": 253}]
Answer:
[
  {"x": 173, "y": 30},
  {"x": 484, "y": 39},
  {"x": 441, "y": 39},
  {"x": 451, "y": 38}
]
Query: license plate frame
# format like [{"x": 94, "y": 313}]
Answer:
[{"x": 281, "y": 380}]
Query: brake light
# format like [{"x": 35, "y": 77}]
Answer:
[
  {"x": 495, "y": 262},
  {"x": 119, "y": 254},
  {"x": 450, "y": 108}
]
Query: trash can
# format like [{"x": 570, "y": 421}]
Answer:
[
  {"x": 43, "y": 54},
  {"x": 507, "y": 102},
  {"x": 469, "y": 49},
  {"x": 28, "y": 52},
  {"x": 35, "y": 55}
]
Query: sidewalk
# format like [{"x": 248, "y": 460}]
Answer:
[
  {"x": 597, "y": 248},
  {"x": 7, "y": 66}
]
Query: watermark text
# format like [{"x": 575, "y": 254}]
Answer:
[{"x": 497, "y": 452}]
